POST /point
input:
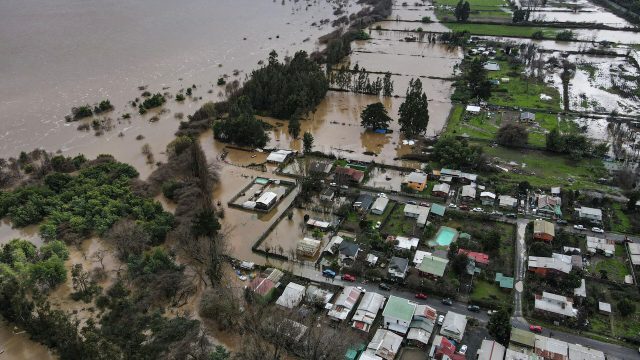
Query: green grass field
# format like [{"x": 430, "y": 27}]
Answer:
[
  {"x": 615, "y": 268},
  {"x": 620, "y": 221},
  {"x": 502, "y": 30},
  {"x": 486, "y": 291}
]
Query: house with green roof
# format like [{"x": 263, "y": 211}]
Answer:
[
  {"x": 398, "y": 314},
  {"x": 438, "y": 209},
  {"x": 432, "y": 266},
  {"x": 505, "y": 282},
  {"x": 521, "y": 340}
]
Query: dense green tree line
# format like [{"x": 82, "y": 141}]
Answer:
[
  {"x": 72, "y": 207},
  {"x": 577, "y": 146},
  {"x": 282, "y": 89},
  {"x": 241, "y": 127}
]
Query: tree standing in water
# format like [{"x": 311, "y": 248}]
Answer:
[
  {"x": 375, "y": 116},
  {"x": 307, "y": 142},
  {"x": 414, "y": 111}
]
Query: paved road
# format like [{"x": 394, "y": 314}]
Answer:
[{"x": 520, "y": 267}]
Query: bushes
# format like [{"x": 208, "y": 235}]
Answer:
[
  {"x": 512, "y": 135},
  {"x": 565, "y": 35}
]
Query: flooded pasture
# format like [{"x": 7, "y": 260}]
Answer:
[
  {"x": 383, "y": 178},
  {"x": 595, "y": 15}
]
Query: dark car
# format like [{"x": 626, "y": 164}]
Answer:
[
  {"x": 474, "y": 308},
  {"x": 447, "y": 301},
  {"x": 561, "y": 221},
  {"x": 511, "y": 215},
  {"x": 384, "y": 286},
  {"x": 328, "y": 273}
]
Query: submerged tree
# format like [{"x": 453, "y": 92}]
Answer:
[
  {"x": 375, "y": 116},
  {"x": 307, "y": 142},
  {"x": 414, "y": 111}
]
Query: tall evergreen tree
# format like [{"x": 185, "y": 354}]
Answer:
[
  {"x": 387, "y": 86},
  {"x": 458, "y": 11},
  {"x": 466, "y": 11},
  {"x": 307, "y": 142},
  {"x": 294, "y": 127},
  {"x": 414, "y": 111},
  {"x": 375, "y": 116}
]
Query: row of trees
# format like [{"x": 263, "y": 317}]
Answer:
[
  {"x": 462, "y": 11},
  {"x": 357, "y": 80},
  {"x": 577, "y": 146},
  {"x": 241, "y": 127}
]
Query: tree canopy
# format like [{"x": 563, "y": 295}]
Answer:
[
  {"x": 375, "y": 116},
  {"x": 500, "y": 326},
  {"x": 414, "y": 111},
  {"x": 454, "y": 153},
  {"x": 241, "y": 127},
  {"x": 512, "y": 134},
  {"x": 282, "y": 89},
  {"x": 577, "y": 146}
]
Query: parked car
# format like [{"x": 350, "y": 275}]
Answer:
[
  {"x": 411, "y": 202},
  {"x": 579, "y": 227},
  {"x": 328, "y": 273},
  {"x": 447, "y": 301},
  {"x": 348, "y": 277},
  {"x": 597, "y": 230},
  {"x": 561, "y": 222},
  {"x": 378, "y": 224},
  {"x": 361, "y": 289},
  {"x": 453, "y": 206},
  {"x": 462, "y": 350},
  {"x": 333, "y": 184},
  {"x": 535, "y": 328},
  {"x": 512, "y": 215},
  {"x": 421, "y": 296},
  {"x": 425, "y": 204},
  {"x": 478, "y": 209},
  {"x": 491, "y": 312},
  {"x": 474, "y": 308},
  {"x": 382, "y": 195},
  {"x": 384, "y": 286},
  {"x": 464, "y": 207},
  {"x": 440, "y": 319}
]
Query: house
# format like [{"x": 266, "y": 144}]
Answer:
[
  {"x": 487, "y": 198},
  {"x": 320, "y": 224},
  {"x": 333, "y": 246},
  {"x": 398, "y": 268},
  {"x": 348, "y": 251},
  {"x": 555, "y": 191},
  {"x": 453, "y": 326},
  {"x": 421, "y": 327},
  {"x": 291, "y": 330},
  {"x": 441, "y": 190},
  {"x": 555, "y": 304},
  {"x": 579, "y": 352},
  {"x": 420, "y": 213},
  {"x": 327, "y": 194},
  {"x": 372, "y": 259},
  {"x": 384, "y": 344},
  {"x": 318, "y": 167},
  {"x": 491, "y": 350},
  {"x": 367, "y": 311},
  {"x": 505, "y": 282},
  {"x": 418, "y": 256},
  {"x": 308, "y": 247},
  {"x": 267, "y": 200},
  {"x": 468, "y": 193},
  {"x": 474, "y": 109},
  {"x": 314, "y": 294},
  {"x": 544, "y": 266},
  {"x": 345, "y": 302},
  {"x": 363, "y": 203},
  {"x": 458, "y": 175},
  {"x": 416, "y": 181},
  {"x": 438, "y": 209},
  {"x": 550, "y": 348},
  {"x": 379, "y": 205},
  {"x": 600, "y": 246},
  {"x": 291, "y": 296},
  {"x": 492, "y": 66},
  {"x": 481, "y": 259},
  {"x": 604, "y": 308},
  {"x": 264, "y": 283},
  {"x": 543, "y": 230},
  {"x": 511, "y": 354},
  {"x": 581, "y": 291},
  {"x": 432, "y": 266},
  {"x": 574, "y": 260},
  {"x": 634, "y": 251},
  {"x": 548, "y": 206},
  {"x": 444, "y": 349},
  {"x": 522, "y": 340},
  {"x": 279, "y": 156},
  {"x": 403, "y": 242},
  {"x": 345, "y": 175},
  {"x": 527, "y": 116},
  {"x": 589, "y": 214},
  {"x": 398, "y": 314},
  {"x": 507, "y": 202}
]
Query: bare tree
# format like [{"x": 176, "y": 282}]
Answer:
[{"x": 128, "y": 238}]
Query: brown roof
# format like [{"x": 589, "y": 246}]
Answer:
[{"x": 355, "y": 175}]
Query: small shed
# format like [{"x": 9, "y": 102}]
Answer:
[{"x": 604, "y": 308}]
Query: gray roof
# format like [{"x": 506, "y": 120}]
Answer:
[
  {"x": 348, "y": 248},
  {"x": 365, "y": 201},
  {"x": 399, "y": 263}
]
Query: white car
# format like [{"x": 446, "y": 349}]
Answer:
[
  {"x": 378, "y": 224},
  {"x": 361, "y": 289},
  {"x": 242, "y": 278},
  {"x": 382, "y": 195},
  {"x": 477, "y": 209},
  {"x": 462, "y": 350},
  {"x": 597, "y": 230},
  {"x": 453, "y": 206},
  {"x": 579, "y": 227},
  {"x": 440, "y": 319}
]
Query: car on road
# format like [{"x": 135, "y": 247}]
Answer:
[
  {"x": 361, "y": 289},
  {"x": 561, "y": 222},
  {"x": 474, "y": 308},
  {"x": 440, "y": 319},
  {"x": 478, "y": 209},
  {"x": 411, "y": 202},
  {"x": 425, "y": 204},
  {"x": 384, "y": 286},
  {"x": 463, "y": 207},
  {"x": 491, "y": 312},
  {"x": 462, "y": 350},
  {"x": 536, "y": 329},
  {"x": 453, "y": 206},
  {"x": 333, "y": 184},
  {"x": 511, "y": 215},
  {"x": 579, "y": 227},
  {"x": 348, "y": 277},
  {"x": 344, "y": 187},
  {"x": 447, "y": 301},
  {"x": 421, "y": 296},
  {"x": 496, "y": 213},
  {"x": 597, "y": 230},
  {"x": 383, "y": 195},
  {"x": 328, "y": 273}
]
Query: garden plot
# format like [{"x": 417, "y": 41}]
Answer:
[{"x": 603, "y": 84}]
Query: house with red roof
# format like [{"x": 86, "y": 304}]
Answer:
[
  {"x": 443, "y": 348},
  {"x": 345, "y": 175},
  {"x": 481, "y": 259}
]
